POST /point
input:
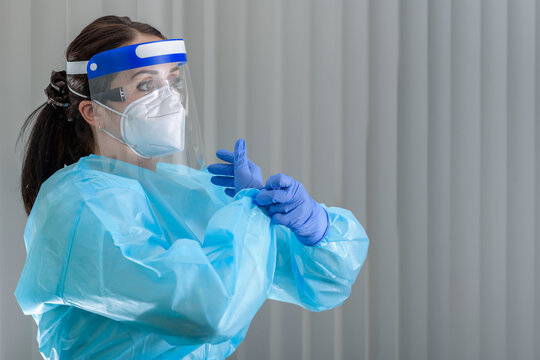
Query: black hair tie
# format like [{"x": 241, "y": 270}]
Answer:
[{"x": 57, "y": 91}]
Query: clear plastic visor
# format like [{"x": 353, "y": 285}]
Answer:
[{"x": 146, "y": 116}]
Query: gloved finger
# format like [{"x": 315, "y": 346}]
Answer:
[
  {"x": 283, "y": 208},
  {"x": 293, "y": 219},
  {"x": 230, "y": 192},
  {"x": 264, "y": 198},
  {"x": 240, "y": 159},
  {"x": 267, "y": 197},
  {"x": 281, "y": 219},
  {"x": 225, "y": 155},
  {"x": 282, "y": 196},
  {"x": 221, "y": 169},
  {"x": 227, "y": 181},
  {"x": 279, "y": 181}
]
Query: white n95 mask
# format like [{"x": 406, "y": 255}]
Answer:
[{"x": 153, "y": 125}]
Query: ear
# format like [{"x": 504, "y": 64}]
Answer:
[{"x": 87, "y": 111}]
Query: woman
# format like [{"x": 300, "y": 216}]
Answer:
[{"x": 134, "y": 249}]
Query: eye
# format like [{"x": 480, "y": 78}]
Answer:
[{"x": 147, "y": 85}]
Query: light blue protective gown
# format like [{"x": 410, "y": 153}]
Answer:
[{"x": 126, "y": 263}]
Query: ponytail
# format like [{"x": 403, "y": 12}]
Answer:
[{"x": 59, "y": 136}]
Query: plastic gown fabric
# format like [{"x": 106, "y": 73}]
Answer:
[{"x": 128, "y": 263}]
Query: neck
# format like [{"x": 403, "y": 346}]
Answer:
[{"x": 110, "y": 147}]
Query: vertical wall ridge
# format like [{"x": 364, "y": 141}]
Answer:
[
  {"x": 521, "y": 164},
  {"x": 355, "y": 103},
  {"x": 412, "y": 174},
  {"x": 338, "y": 158},
  {"x": 465, "y": 186},
  {"x": 381, "y": 180},
  {"x": 440, "y": 115},
  {"x": 537, "y": 181},
  {"x": 493, "y": 192}
]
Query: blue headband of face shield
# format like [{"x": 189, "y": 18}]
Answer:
[{"x": 130, "y": 57}]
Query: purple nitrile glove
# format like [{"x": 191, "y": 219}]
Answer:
[
  {"x": 289, "y": 204},
  {"x": 239, "y": 174}
]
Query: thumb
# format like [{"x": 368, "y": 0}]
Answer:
[{"x": 240, "y": 153}]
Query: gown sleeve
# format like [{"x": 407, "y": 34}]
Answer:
[
  {"x": 98, "y": 247},
  {"x": 319, "y": 277}
]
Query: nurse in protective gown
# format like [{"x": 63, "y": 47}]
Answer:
[{"x": 136, "y": 249}]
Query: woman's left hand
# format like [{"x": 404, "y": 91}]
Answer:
[
  {"x": 289, "y": 204},
  {"x": 239, "y": 174}
]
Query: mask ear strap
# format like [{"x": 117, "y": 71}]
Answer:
[
  {"x": 107, "y": 107},
  {"x": 106, "y": 131},
  {"x": 123, "y": 142},
  {"x": 113, "y": 136}
]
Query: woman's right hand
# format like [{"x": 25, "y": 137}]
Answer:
[{"x": 240, "y": 173}]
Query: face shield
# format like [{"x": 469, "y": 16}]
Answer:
[{"x": 143, "y": 107}]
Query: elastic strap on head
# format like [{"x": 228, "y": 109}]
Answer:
[
  {"x": 76, "y": 67},
  {"x": 78, "y": 94}
]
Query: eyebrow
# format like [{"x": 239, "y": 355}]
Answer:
[{"x": 153, "y": 72}]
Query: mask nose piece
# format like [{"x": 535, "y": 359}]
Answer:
[
  {"x": 155, "y": 98},
  {"x": 164, "y": 98}
]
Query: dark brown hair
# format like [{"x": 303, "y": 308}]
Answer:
[{"x": 59, "y": 135}]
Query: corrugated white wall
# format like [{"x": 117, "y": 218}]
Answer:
[{"x": 418, "y": 115}]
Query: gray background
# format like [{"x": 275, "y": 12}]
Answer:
[{"x": 419, "y": 116}]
